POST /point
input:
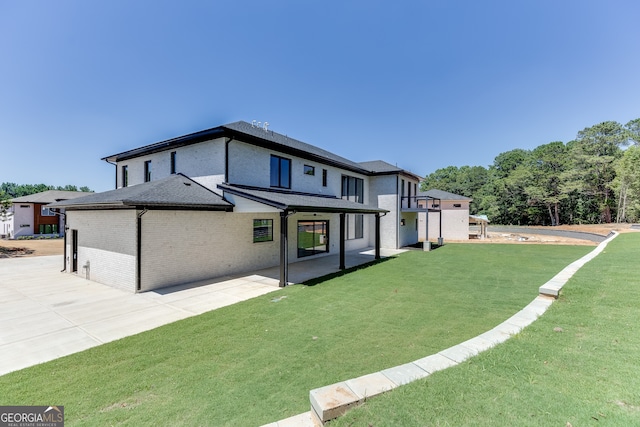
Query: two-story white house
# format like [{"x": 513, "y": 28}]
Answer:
[{"x": 232, "y": 199}]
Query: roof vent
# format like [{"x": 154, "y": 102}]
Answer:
[{"x": 257, "y": 124}]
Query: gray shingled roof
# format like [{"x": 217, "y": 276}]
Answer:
[
  {"x": 443, "y": 195},
  {"x": 301, "y": 202},
  {"x": 283, "y": 141},
  {"x": 49, "y": 196},
  {"x": 245, "y": 132},
  {"x": 175, "y": 191}
]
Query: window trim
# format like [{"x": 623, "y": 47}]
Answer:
[{"x": 125, "y": 175}]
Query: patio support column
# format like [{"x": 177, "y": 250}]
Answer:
[
  {"x": 284, "y": 249},
  {"x": 377, "y": 236},
  {"x": 342, "y": 235}
]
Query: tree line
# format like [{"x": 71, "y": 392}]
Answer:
[
  {"x": 12, "y": 190},
  {"x": 592, "y": 179}
]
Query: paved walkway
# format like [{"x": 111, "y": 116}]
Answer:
[{"x": 46, "y": 314}]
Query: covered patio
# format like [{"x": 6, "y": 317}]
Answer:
[{"x": 289, "y": 203}]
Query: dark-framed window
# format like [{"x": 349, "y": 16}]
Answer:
[
  {"x": 173, "y": 162},
  {"x": 352, "y": 189},
  {"x": 280, "y": 172},
  {"x": 309, "y": 170},
  {"x": 262, "y": 230},
  {"x": 324, "y": 177},
  {"x": 147, "y": 171},
  {"x": 125, "y": 176},
  {"x": 354, "y": 226},
  {"x": 457, "y": 205}
]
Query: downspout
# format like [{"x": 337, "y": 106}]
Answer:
[
  {"x": 116, "y": 174},
  {"x": 139, "y": 250},
  {"x": 398, "y": 205}
]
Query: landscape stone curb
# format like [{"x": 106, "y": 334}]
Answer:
[{"x": 334, "y": 400}]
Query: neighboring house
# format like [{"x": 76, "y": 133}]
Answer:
[
  {"x": 232, "y": 199},
  {"x": 29, "y": 215},
  {"x": 451, "y": 222}
]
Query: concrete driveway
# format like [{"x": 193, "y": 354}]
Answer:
[{"x": 46, "y": 314}]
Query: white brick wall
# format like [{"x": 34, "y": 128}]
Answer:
[
  {"x": 383, "y": 191},
  {"x": 455, "y": 222},
  {"x": 200, "y": 160},
  {"x": 107, "y": 241},
  {"x": 185, "y": 246},
  {"x": 251, "y": 165}
]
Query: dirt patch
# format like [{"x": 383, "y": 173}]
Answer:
[
  {"x": 29, "y": 248},
  {"x": 511, "y": 237}
]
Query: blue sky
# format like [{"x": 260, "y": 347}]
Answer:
[{"x": 421, "y": 84}]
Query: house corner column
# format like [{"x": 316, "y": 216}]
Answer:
[
  {"x": 377, "y": 236},
  {"x": 284, "y": 249},
  {"x": 342, "y": 235}
]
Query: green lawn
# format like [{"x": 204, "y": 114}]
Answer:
[
  {"x": 255, "y": 362},
  {"x": 578, "y": 365}
]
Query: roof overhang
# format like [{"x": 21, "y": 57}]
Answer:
[{"x": 299, "y": 202}]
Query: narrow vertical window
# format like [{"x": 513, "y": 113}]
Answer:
[
  {"x": 173, "y": 162},
  {"x": 125, "y": 176},
  {"x": 324, "y": 177},
  {"x": 147, "y": 171}
]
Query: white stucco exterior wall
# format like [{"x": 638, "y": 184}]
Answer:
[{"x": 23, "y": 218}]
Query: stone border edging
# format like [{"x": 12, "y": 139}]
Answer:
[{"x": 334, "y": 400}]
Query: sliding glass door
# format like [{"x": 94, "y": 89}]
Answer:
[{"x": 313, "y": 237}]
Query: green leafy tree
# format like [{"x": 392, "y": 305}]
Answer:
[
  {"x": 633, "y": 131},
  {"x": 591, "y": 170},
  {"x": 545, "y": 169},
  {"x": 627, "y": 185}
]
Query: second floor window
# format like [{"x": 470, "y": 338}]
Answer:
[
  {"x": 147, "y": 171},
  {"x": 353, "y": 189},
  {"x": 125, "y": 176},
  {"x": 173, "y": 162},
  {"x": 280, "y": 172}
]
